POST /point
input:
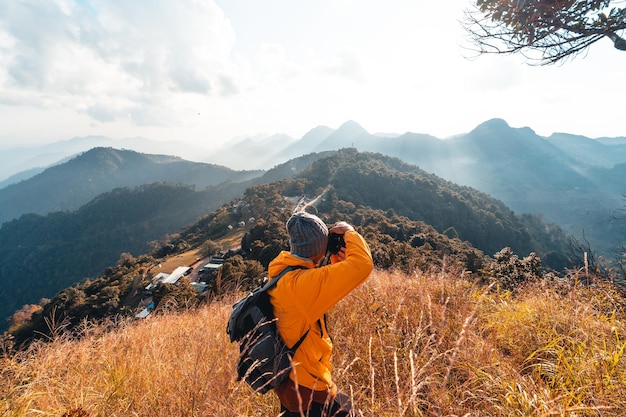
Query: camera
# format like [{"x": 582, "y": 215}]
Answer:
[{"x": 335, "y": 243}]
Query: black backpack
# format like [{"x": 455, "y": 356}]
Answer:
[{"x": 264, "y": 359}]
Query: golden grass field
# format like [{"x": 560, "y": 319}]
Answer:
[
  {"x": 184, "y": 259},
  {"x": 428, "y": 344}
]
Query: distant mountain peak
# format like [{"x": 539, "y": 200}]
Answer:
[
  {"x": 495, "y": 128},
  {"x": 493, "y": 124},
  {"x": 317, "y": 134},
  {"x": 345, "y": 136},
  {"x": 351, "y": 128}
]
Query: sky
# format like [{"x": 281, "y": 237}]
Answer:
[{"x": 209, "y": 71}]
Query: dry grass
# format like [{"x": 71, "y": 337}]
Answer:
[
  {"x": 431, "y": 344},
  {"x": 231, "y": 240},
  {"x": 190, "y": 257},
  {"x": 173, "y": 262}
]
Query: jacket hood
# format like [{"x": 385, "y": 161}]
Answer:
[{"x": 285, "y": 259}]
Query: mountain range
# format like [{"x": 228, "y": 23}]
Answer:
[
  {"x": 69, "y": 185},
  {"x": 573, "y": 181},
  {"x": 411, "y": 219},
  {"x": 75, "y": 219},
  {"x": 19, "y": 163}
]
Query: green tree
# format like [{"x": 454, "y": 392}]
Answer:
[
  {"x": 177, "y": 296},
  {"x": 544, "y": 31},
  {"x": 209, "y": 248},
  {"x": 511, "y": 272}
]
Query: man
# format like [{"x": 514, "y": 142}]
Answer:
[{"x": 301, "y": 299}]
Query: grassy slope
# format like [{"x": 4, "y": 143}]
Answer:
[{"x": 431, "y": 344}]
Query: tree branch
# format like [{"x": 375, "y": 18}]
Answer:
[{"x": 618, "y": 41}]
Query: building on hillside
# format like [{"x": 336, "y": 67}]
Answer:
[
  {"x": 163, "y": 278},
  {"x": 212, "y": 267},
  {"x": 200, "y": 286},
  {"x": 156, "y": 280},
  {"x": 215, "y": 263},
  {"x": 145, "y": 312},
  {"x": 176, "y": 275}
]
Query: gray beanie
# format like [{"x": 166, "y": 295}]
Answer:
[{"x": 308, "y": 235}]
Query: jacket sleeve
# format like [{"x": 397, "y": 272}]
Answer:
[{"x": 318, "y": 290}]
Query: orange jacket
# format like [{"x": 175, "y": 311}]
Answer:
[{"x": 303, "y": 296}]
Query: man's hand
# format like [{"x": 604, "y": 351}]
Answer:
[
  {"x": 340, "y": 256},
  {"x": 341, "y": 228}
]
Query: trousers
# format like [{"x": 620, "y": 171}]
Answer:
[{"x": 340, "y": 407}]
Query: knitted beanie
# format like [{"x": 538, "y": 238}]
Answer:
[{"x": 308, "y": 235}]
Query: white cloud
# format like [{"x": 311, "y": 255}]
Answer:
[
  {"x": 347, "y": 64},
  {"x": 274, "y": 63},
  {"x": 114, "y": 58},
  {"x": 199, "y": 69}
]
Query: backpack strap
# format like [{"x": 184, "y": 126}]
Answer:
[
  {"x": 299, "y": 342},
  {"x": 271, "y": 284}
]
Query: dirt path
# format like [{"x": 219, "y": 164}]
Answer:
[{"x": 301, "y": 207}]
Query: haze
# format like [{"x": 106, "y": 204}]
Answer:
[{"x": 207, "y": 71}]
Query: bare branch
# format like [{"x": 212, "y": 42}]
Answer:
[{"x": 544, "y": 31}]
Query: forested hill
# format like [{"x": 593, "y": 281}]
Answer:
[
  {"x": 386, "y": 183},
  {"x": 41, "y": 255},
  {"x": 411, "y": 220},
  {"x": 573, "y": 181},
  {"x": 68, "y": 186}
]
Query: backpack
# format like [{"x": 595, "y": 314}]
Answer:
[{"x": 264, "y": 359}]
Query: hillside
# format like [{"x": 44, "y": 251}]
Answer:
[
  {"x": 36, "y": 158},
  {"x": 386, "y": 183},
  {"x": 412, "y": 220},
  {"x": 41, "y": 255},
  {"x": 67, "y": 186},
  {"x": 569, "y": 180},
  {"x": 430, "y": 343},
  {"x": 400, "y": 202},
  {"x": 557, "y": 178},
  {"x": 38, "y": 254}
]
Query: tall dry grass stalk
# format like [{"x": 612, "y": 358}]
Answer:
[{"x": 428, "y": 344}]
